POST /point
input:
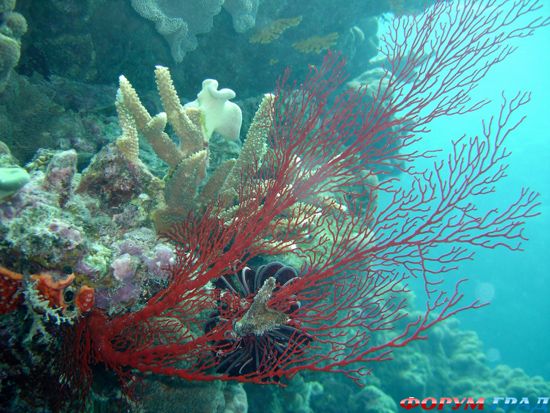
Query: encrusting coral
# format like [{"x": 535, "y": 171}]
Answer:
[{"x": 189, "y": 188}]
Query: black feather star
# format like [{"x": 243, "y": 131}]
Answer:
[{"x": 261, "y": 336}]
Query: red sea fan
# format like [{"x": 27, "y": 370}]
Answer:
[{"x": 325, "y": 197}]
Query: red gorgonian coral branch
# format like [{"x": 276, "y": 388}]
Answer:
[{"x": 327, "y": 199}]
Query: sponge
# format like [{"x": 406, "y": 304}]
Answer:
[{"x": 220, "y": 115}]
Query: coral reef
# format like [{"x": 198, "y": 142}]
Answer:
[
  {"x": 450, "y": 362},
  {"x": 82, "y": 40},
  {"x": 96, "y": 309},
  {"x": 311, "y": 196},
  {"x": 30, "y": 381},
  {"x": 90, "y": 222},
  {"x": 174, "y": 396},
  {"x": 179, "y": 22},
  {"x": 35, "y": 114}
]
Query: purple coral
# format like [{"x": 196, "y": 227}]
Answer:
[
  {"x": 124, "y": 267},
  {"x": 139, "y": 261},
  {"x": 71, "y": 235}
]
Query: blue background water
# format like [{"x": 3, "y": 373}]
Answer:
[{"x": 515, "y": 328}]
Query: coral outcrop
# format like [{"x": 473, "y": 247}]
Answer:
[
  {"x": 175, "y": 396},
  {"x": 95, "y": 224},
  {"x": 452, "y": 362}
]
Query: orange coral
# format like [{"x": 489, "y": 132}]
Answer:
[
  {"x": 85, "y": 299},
  {"x": 51, "y": 289},
  {"x": 54, "y": 291}
]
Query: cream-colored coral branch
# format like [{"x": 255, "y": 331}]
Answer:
[
  {"x": 151, "y": 127},
  {"x": 128, "y": 142},
  {"x": 187, "y": 122},
  {"x": 211, "y": 190},
  {"x": 181, "y": 188},
  {"x": 254, "y": 147}
]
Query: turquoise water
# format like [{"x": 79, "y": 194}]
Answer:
[
  {"x": 515, "y": 328},
  {"x": 518, "y": 322}
]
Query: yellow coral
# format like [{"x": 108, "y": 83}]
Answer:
[
  {"x": 274, "y": 30},
  {"x": 128, "y": 142},
  {"x": 316, "y": 44},
  {"x": 188, "y": 188},
  {"x": 151, "y": 127},
  {"x": 182, "y": 187},
  {"x": 255, "y": 146},
  {"x": 187, "y": 122}
]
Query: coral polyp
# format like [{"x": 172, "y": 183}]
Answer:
[{"x": 261, "y": 334}]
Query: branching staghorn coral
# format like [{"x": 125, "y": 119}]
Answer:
[{"x": 188, "y": 187}]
